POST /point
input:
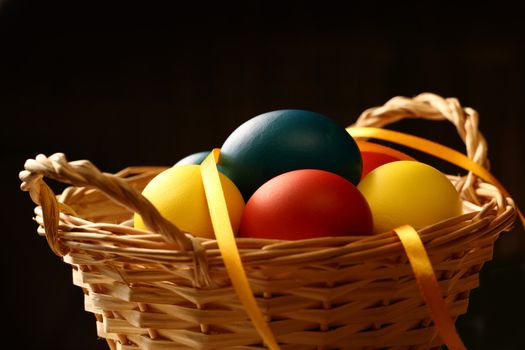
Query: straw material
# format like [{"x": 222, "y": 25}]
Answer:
[{"x": 165, "y": 289}]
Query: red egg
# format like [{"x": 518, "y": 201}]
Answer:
[
  {"x": 375, "y": 155},
  {"x": 306, "y": 203}
]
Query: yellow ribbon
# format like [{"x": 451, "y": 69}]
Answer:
[
  {"x": 429, "y": 287},
  {"x": 411, "y": 241},
  {"x": 226, "y": 242},
  {"x": 435, "y": 149}
]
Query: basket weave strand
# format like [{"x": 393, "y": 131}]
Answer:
[{"x": 327, "y": 293}]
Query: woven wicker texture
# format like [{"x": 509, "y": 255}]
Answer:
[{"x": 164, "y": 289}]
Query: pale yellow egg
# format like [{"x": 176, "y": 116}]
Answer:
[
  {"x": 409, "y": 192},
  {"x": 178, "y": 194}
]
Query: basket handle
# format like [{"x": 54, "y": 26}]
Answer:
[
  {"x": 83, "y": 173},
  {"x": 434, "y": 107}
]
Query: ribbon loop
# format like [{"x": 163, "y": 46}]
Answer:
[{"x": 435, "y": 149}]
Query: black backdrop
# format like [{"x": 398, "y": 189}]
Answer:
[{"x": 146, "y": 85}]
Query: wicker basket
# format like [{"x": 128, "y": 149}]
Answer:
[{"x": 167, "y": 290}]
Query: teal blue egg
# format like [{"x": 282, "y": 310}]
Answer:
[
  {"x": 195, "y": 158},
  {"x": 276, "y": 142}
]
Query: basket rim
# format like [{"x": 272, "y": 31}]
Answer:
[{"x": 77, "y": 233}]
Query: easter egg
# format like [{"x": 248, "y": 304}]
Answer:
[
  {"x": 306, "y": 203},
  {"x": 178, "y": 194},
  {"x": 195, "y": 158},
  {"x": 284, "y": 140},
  {"x": 375, "y": 155},
  {"x": 409, "y": 192}
]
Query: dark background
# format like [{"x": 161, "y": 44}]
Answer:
[{"x": 144, "y": 84}]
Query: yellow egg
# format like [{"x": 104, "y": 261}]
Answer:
[
  {"x": 178, "y": 194},
  {"x": 409, "y": 192}
]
